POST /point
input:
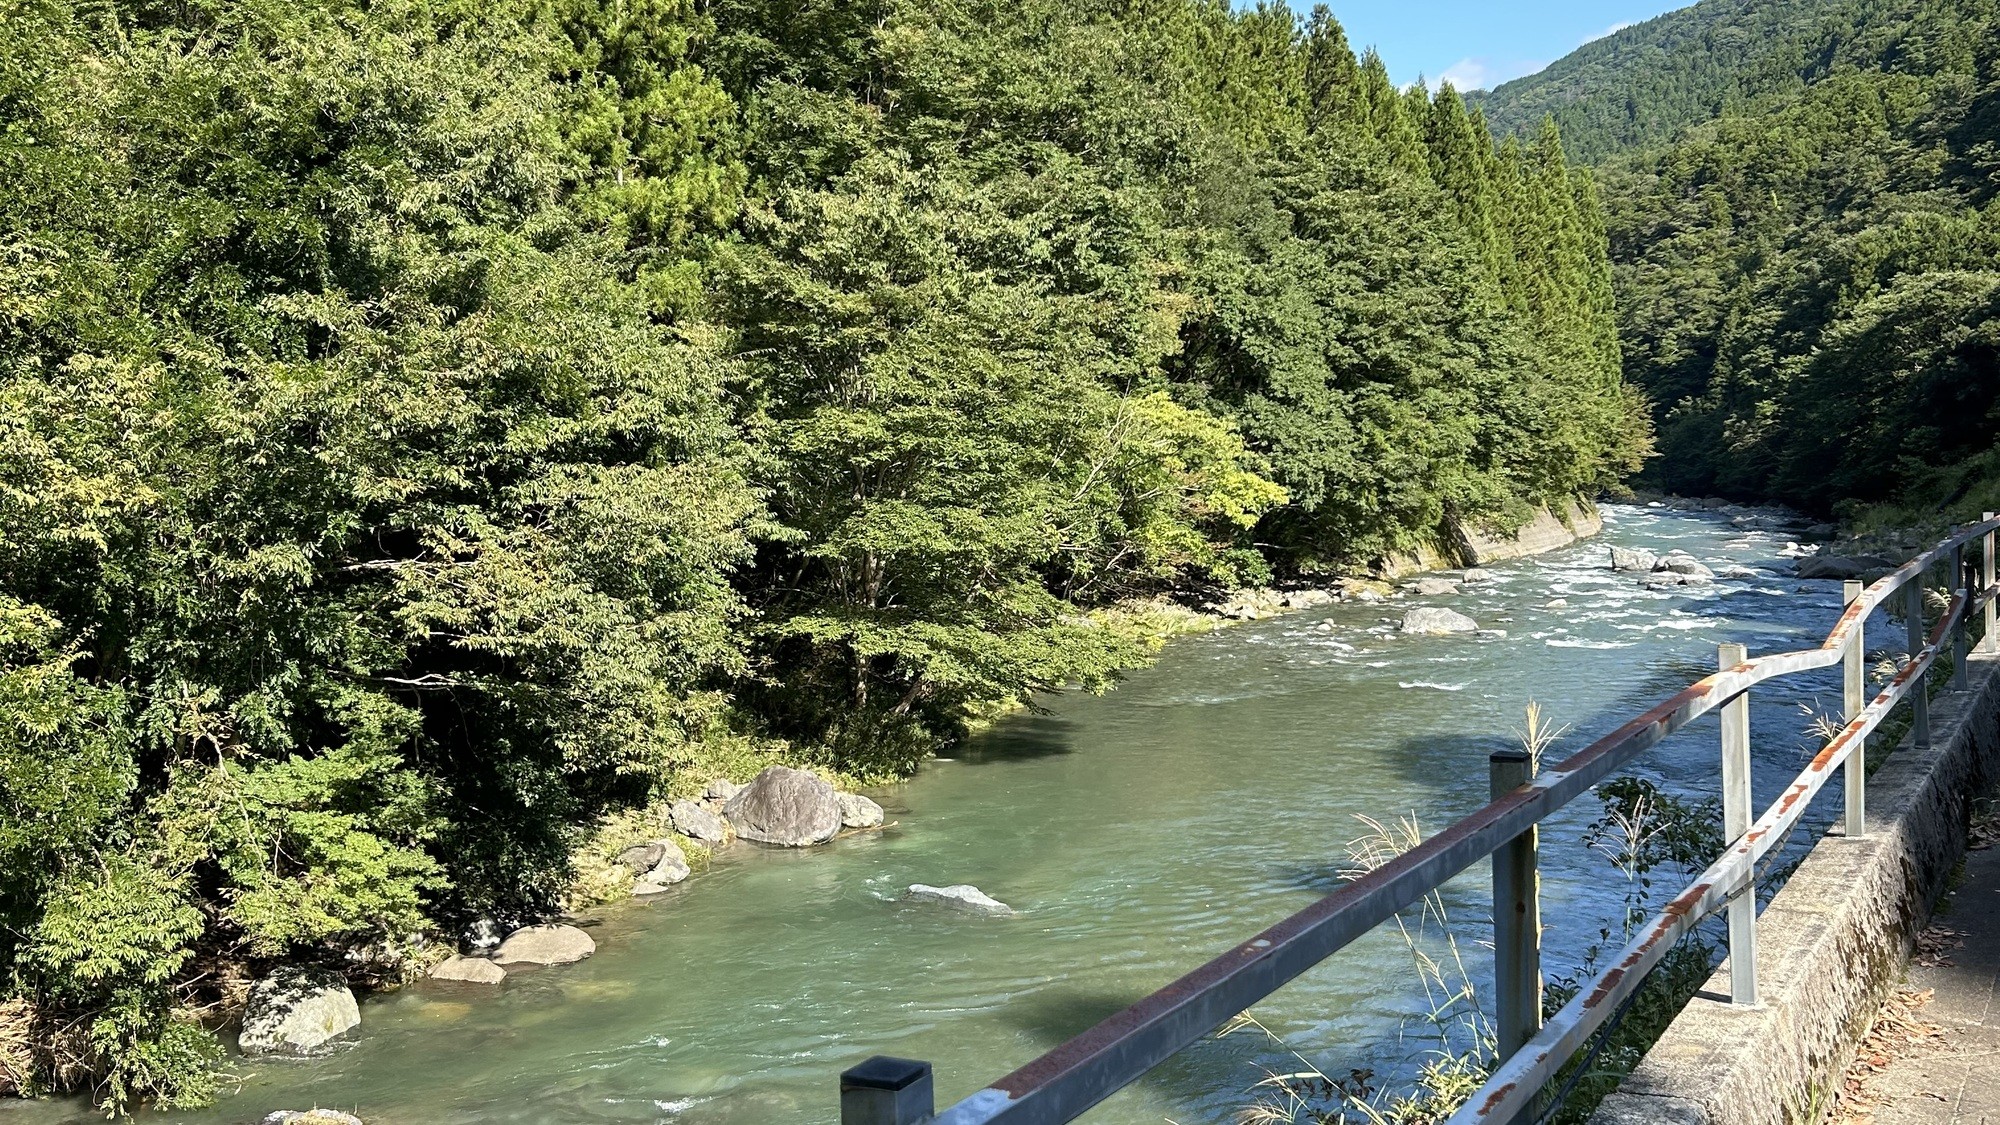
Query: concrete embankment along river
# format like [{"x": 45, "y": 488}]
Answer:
[{"x": 1134, "y": 835}]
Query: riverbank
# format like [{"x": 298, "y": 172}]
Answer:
[{"x": 1135, "y": 834}]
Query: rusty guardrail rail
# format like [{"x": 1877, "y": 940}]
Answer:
[{"x": 1067, "y": 1081}]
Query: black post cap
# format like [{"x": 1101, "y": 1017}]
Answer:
[{"x": 884, "y": 1073}]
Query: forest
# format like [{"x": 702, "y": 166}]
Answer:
[
  {"x": 429, "y": 427},
  {"x": 1801, "y": 200}
]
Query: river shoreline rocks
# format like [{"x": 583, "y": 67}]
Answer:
[
  {"x": 555, "y": 944},
  {"x": 297, "y": 1011}
]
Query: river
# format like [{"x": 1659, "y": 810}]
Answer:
[{"x": 1138, "y": 834}]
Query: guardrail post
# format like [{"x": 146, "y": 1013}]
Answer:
[
  {"x": 1989, "y": 641},
  {"x": 1517, "y": 916},
  {"x": 1854, "y": 687},
  {"x": 1736, "y": 819},
  {"x": 1920, "y": 696},
  {"x": 887, "y": 1091},
  {"x": 1959, "y": 584}
]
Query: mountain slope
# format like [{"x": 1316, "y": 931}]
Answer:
[
  {"x": 1804, "y": 236},
  {"x": 1645, "y": 83}
]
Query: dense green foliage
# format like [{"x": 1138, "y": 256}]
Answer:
[
  {"x": 1806, "y": 282},
  {"x": 1644, "y": 84},
  {"x": 427, "y": 427}
]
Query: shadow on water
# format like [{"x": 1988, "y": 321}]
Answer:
[
  {"x": 1023, "y": 738},
  {"x": 1054, "y": 1015}
]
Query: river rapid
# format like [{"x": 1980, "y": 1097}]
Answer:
[{"x": 1137, "y": 834}]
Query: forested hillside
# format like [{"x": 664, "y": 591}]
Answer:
[
  {"x": 1807, "y": 283},
  {"x": 1644, "y": 84},
  {"x": 427, "y": 428}
]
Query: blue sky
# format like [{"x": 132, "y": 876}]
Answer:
[{"x": 1479, "y": 44}]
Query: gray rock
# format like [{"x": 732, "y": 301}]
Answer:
[
  {"x": 1841, "y": 566},
  {"x": 671, "y": 868},
  {"x": 1370, "y": 597},
  {"x": 1822, "y": 531},
  {"x": 1736, "y": 572},
  {"x": 1477, "y": 574},
  {"x": 962, "y": 895},
  {"x": 857, "y": 811},
  {"x": 720, "y": 790},
  {"x": 1636, "y": 558},
  {"x": 787, "y": 807},
  {"x": 1433, "y": 587},
  {"x": 1434, "y": 621},
  {"x": 545, "y": 945},
  {"x": 296, "y": 1012},
  {"x": 642, "y": 858},
  {"x": 697, "y": 822},
  {"x": 1684, "y": 564},
  {"x": 475, "y": 970},
  {"x": 310, "y": 1117},
  {"x": 1556, "y": 603}
]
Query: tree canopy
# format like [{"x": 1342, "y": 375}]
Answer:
[{"x": 427, "y": 428}]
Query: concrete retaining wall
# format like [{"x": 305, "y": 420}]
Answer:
[
  {"x": 1546, "y": 532},
  {"x": 1831, "y": 944}
]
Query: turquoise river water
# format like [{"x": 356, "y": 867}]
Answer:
[{"x": 1138, "y": 834}]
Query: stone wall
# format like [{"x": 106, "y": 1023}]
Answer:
[
  {"x": 1469, "y": 546},
  {"x": 1545, "y": 532},
  {"x": 1831, "y": 944}
]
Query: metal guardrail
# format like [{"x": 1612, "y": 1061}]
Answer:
[{"x": 1069, "y": 1080}]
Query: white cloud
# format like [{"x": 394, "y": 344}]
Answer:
[
  {"x": 1612, "y": 30},
  {"x": 1486, "y": 73}
]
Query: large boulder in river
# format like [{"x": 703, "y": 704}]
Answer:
[
  {"x": 1431, "y": 620},
  {"x": 787, "y": 807},
  {"x": 1634, "y": 558},
  {"x": 964, "y": 896},
  {"x": 697, "y": 822},
  {"x": 545, "y": 945},
  {"x": 296, "y": 1012},
  {"x": 471, "y": 970},
  {"x": 1433, "y": 587},
  {"x": 1841, "y": 566},
  {"x": 1683, "y": 564},
  {"x": 857, "y": 811}
]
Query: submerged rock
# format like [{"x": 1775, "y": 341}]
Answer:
[
  {"x": 473, "y": 970},
  {"x": 296, "y": 1012},
  {"x": 965, "y": 896},
  {"x": 310, "y": 1117},
  {"x": 1736, "y": 572},
  {"x": 787, "y": 807},
  {"x": 545, "y": 945},
  {"x": 857, "y": 811},
  {"x": 1431, "y": 620}
]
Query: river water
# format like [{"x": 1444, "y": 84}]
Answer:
[{"x": 1137, "y": 833}]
